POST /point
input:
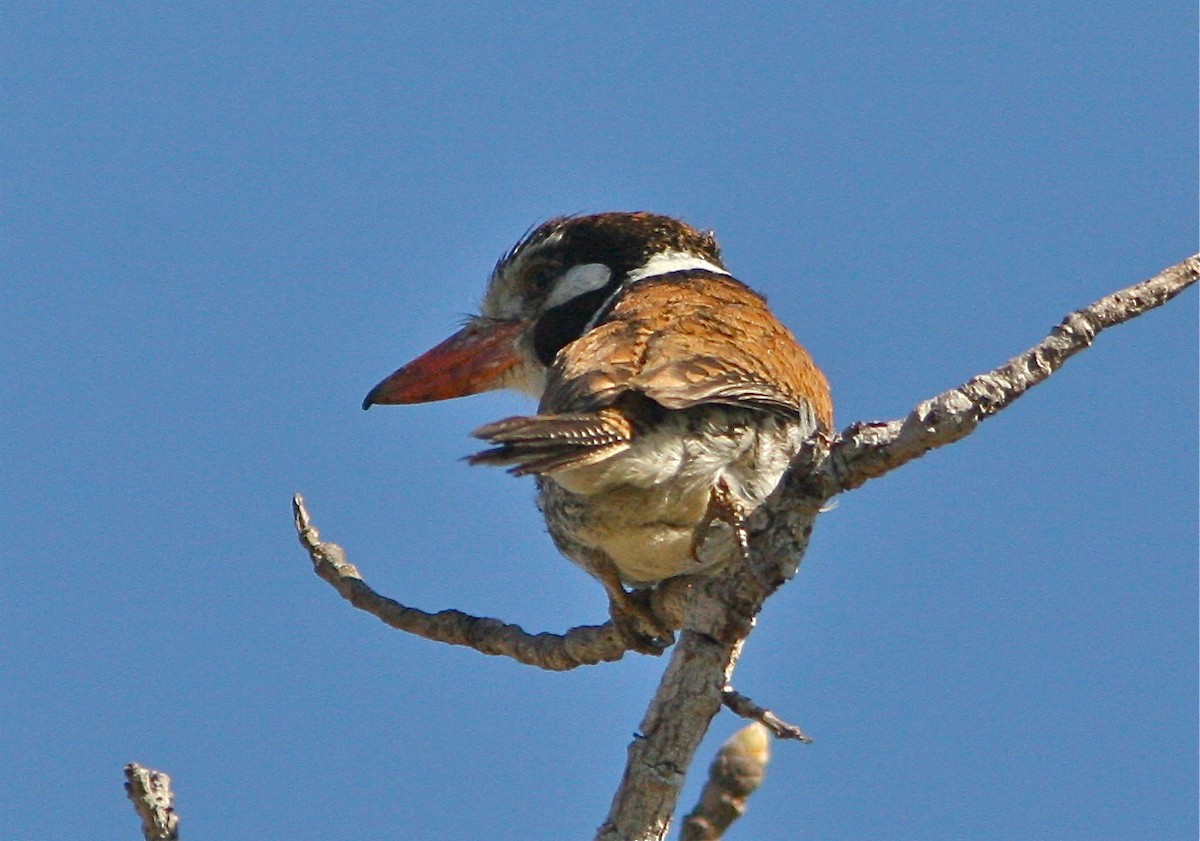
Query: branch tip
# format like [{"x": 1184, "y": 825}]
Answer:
[
  {"x": 737, "y": 771},
  {"x": 153, "y": 800}
]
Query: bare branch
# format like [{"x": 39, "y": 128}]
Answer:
[
  {"x": 735, "y": 774},
  {"x": 582, "y": 646},
  {"x": 866, "y": 451},
  {"x": 152, "y": 797},
  {"x": 688, "y": 697},
  {"x": 740, "y": 705}
]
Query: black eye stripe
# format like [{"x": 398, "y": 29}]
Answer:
[{"x": 558, "y": 327}]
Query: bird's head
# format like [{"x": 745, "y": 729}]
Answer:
[{"x": 554, "y": 285}]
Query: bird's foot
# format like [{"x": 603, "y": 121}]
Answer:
[
  {"x": 640, "y": 627},
  {"x": 721, "y": 535}
]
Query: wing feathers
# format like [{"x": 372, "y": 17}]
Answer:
[
  {"x": 687, "y": 341},
  {"x": 545, "y": 443}
]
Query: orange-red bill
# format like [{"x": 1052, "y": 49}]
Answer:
[{"x": 472, "y": 360}]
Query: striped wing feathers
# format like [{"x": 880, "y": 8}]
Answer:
[{"x": 545, "y": 443}]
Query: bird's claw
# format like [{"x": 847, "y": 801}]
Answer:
[{"x": 641, "y": 629}]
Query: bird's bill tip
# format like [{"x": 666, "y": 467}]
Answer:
[{"x": 474, "y": 359}]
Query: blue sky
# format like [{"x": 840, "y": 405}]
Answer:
[{"x": 224, "y": 222}]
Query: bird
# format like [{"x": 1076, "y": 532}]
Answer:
[{"x": 671, "y": 399}]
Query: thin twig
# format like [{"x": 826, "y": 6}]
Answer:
[
  {"x": 866, "y": 451},
  {"x": 740, "y": 705},
  {"x": 582, "y": 646}
]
